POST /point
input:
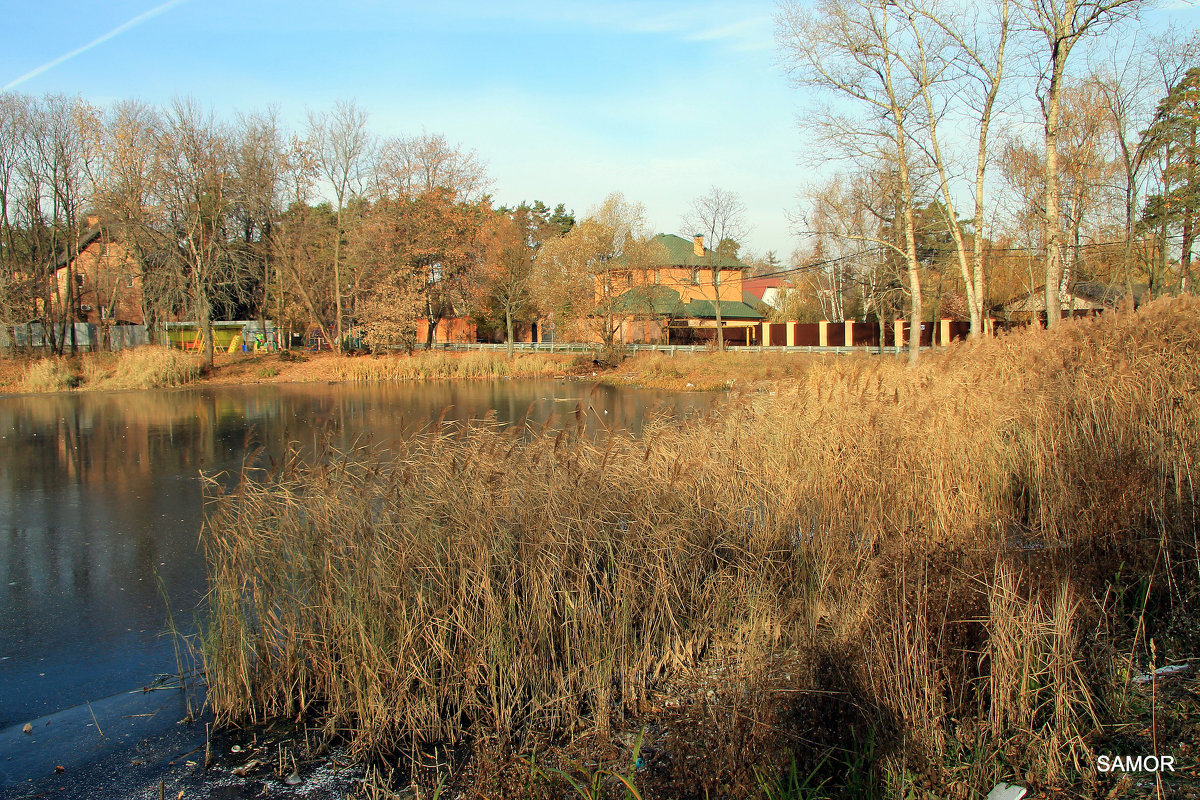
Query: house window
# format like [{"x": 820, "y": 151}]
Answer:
[
  {"x": 656, "y": 276},
  {"x": 695, "y": 275}
]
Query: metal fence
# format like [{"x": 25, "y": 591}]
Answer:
[
  {"x": 33, "y": 336},
  {"x": 669, "y": 349}
]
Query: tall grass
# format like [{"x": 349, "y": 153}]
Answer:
[
  {"x": 904, "y": 567},
  {"x": 147, "y": 367},
  {"x": 434, "y": 366},
  {"x": 49, "y": 375}
]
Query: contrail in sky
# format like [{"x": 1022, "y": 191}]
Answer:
[{"x": 117, "y": 31}]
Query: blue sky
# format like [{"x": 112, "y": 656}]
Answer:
[{"x": 565, "y": 100}]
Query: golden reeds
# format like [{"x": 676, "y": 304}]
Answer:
[
  {"x": 436, "y": 365},
  {"x": 931, "y": 542},
  {"x": 147, "y": 367}
]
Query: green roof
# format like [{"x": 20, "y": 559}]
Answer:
[
  {"x": 680, "y": 252},
  {"x": 730, "y": 309}
]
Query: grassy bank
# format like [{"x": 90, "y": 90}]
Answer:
[
  {"x": 140, "y": 368},
  {"x": 684, "y": 372},
  {"x": 442, "y": 366},
  {"x": 876, "y": 582}
]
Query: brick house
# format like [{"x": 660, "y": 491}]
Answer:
[
  {"x": 108, "y": 283},
  {"x": 675, "y": 301}
]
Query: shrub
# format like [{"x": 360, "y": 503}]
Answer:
[
  {"x": 150, "y": 367},
  {"x": 50, "y": 375}
]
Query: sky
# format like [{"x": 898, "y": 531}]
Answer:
[{"x": 565, "y": 101}]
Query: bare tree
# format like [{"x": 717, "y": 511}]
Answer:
[
  {"x": 582, "y": 275},
  {"x": 127, "y": 198},
  {"x": 960, "y": 59},
  {"x": 195, "y": 190},
  {"x": 407, "y": 167},
  {"x": 260, "y": 165},
  {"x": 720, "y": 217},
  {"x": 860, "y": 53},
  {"x": 13, "y": 118},
  {"x": 342, "y": 147},
  {"x": 1062, "y": 24}
]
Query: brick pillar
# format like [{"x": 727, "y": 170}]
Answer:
[
  {"x": 849, "y": 340},
  {"x": 944, "y": 333},
  {"x": 791, "y": 333},
  {"x": 823, "y": 333},
  {"x": 898, "y": 336},
  {"x": 766, "y": 333}
]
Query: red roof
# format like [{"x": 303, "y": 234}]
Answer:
[{"x": 757, "y": 286}]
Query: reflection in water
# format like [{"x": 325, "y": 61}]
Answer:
[{"x": 100, "y": 496}]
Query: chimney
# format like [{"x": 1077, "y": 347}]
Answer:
[
  {"x": 93, "y": 221},
  {"x": 698, "y": 244}
]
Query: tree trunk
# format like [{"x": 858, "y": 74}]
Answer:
[
  {"x": 508, "y": 322},
  {"x": 337, "y": 277},
  {"x": 717, "y": 306},
  {"x": 1053, "y": 229},
  {"x": 910, "y": 243}
]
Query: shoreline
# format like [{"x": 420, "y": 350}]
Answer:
[{"x": 684, "y": 372}]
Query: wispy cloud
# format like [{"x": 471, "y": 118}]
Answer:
[
  {"x": 736, "y": 23},
  {"x": 754, "y": 33},
  {"x": 117, "y": 31}
]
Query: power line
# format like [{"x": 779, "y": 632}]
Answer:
[{"x": 937, "y": 248}]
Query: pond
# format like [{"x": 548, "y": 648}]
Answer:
[{"x": 100, "y": 505}]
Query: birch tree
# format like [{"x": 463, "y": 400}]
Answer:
[
  {"x": 504, "y": 279},
  {"x": 858, "y": 53},
  {"x": 1061, "y": 25},
  {"x": 960, "y": 61}
]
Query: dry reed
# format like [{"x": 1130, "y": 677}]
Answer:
[
  {"x": 437, "y": 366},
  {"x": 148, "y": 367},
  {"x": 49, "y": 375},
  {"x": 933, "y": 543}
]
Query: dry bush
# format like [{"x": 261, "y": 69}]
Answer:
[
  {"x": 49, "y": 375},
  {"x": 931, "y": 543},
  {"x": 147, "y": 367}
]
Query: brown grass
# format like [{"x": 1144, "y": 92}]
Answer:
[
  {"x": 440, "y": 366},
  {"x": 147, "y": 367},
  {"x": 710, "y": 371},
  {"x": 50, "y": 375},
  {"x": 900, "y": 581}
]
